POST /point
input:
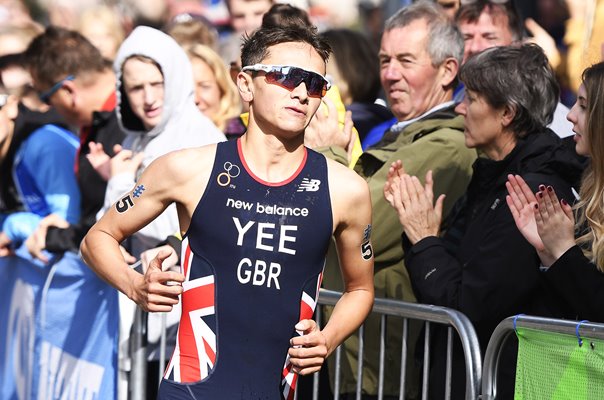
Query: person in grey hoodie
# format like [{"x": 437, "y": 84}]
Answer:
[{"x": 156, "y": 108}]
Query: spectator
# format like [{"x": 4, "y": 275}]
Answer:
[
  {"x": 245, "y": 17},
  {"x": 571, "y": 267},
  {"x": 86, "y": 100},
  {"x": 268, "y": 166},
  {"x": 15, "y": 38},
  {"x": 76, "y": 80},
  {"x": 36, "y": 166},
  {"x": 215, "y": 93},
  {"x": 192, "y": 29},
  {"x": 471, "y": 267},
  {"x": 355, "y": 69},
  {"x": 450, "y": 6},
  {"x": 584, "y": 37},
  {"x": 485, "y": 24},
  {"x": 419, "y": 57},
  {"x": 102, "y": 26}
]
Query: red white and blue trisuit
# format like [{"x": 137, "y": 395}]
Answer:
[{"x": 253, "y": 259}]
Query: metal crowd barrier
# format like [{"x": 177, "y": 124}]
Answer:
[
  {"x": 455, "y": 320},
  {"x": 506, "y": 328},
  {"x": 429, "y": 314}
]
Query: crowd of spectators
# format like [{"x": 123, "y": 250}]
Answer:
[{"x": 443, "y": 107}]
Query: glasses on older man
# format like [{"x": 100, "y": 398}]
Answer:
[
  {"x": 290, "y": 77},
  {"x": 45, "y": 97}
]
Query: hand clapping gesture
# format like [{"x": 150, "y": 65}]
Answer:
[
  {"x": 547, "y": 223},
  {"x": 414, "y": 203}
]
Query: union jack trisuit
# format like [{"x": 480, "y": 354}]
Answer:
[{"x": 253, "y": 261}]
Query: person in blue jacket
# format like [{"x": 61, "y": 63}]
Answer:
[{"x": 37, "y": 164}]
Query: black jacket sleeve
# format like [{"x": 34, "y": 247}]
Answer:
[
  {"x": 494, "y": 276},
  {"x": 579, "y": 282}
]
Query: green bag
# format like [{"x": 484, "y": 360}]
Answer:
[{"x": 558, "y": 366}]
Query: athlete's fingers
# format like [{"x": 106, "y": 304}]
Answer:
[
  {"x": 162, "y": 300},
  {"x": 307, "y": 366},
  {"x": 306, "y": 326}
]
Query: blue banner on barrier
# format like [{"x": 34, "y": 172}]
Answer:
[{"x": 58, "y": 331}]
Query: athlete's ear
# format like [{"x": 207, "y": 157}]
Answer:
[{"x": 245, "y": 84}]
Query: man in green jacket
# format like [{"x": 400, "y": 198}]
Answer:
[{"x": 420, "y": 54}]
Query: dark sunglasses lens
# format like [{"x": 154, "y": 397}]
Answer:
[{"x": 315, "y": 84}]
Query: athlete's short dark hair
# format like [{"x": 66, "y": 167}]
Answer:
[{"x": 256, "y": 47}]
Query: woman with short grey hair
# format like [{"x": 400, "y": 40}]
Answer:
[{"x": 477, "y": 262}]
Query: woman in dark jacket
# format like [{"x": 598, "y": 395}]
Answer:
[
  {"x": 572, "y": 268},
  {"x": 478, "y": 262}
]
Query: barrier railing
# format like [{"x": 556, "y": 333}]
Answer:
[
  {"x": 507, "y": 327},
  {"x": 412, "y": 311}
]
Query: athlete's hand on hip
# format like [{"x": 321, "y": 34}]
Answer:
[
  {"x": 308, "y": 352},
  {"x": 157, "y": 290}
]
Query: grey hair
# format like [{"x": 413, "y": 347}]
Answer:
[
  {"x": 444, "y": 39},
  {"x": 515, "y": 76}
]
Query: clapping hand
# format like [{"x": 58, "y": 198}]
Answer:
[
  {"x": 414, "y": 203},
  {"x": 545, "y": 222},
  {"x": 555, "y": 222}
]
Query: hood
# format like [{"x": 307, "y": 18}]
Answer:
[{"x": 176, "y": 69}]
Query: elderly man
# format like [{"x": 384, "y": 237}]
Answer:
[{"x": 419, "y": 56}]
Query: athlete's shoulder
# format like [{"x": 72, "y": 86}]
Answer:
[
  {"x": 345, "y": 182},
  {"x": 184, "y": 163}
]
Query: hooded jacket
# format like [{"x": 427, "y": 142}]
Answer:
[{"x": 182, "y": 125}]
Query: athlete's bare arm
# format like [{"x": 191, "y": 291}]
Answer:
[
  {"x": 351, "y": 205},
  {"x": 179, "y": 177}
]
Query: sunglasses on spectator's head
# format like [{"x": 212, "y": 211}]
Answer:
[
  {"x": 466, "y": 2},
  {"x": 45, "y": 97},
  {"x": 290, "y": 77}
]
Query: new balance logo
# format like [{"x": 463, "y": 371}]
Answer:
[{"x": 309, "y": 185}]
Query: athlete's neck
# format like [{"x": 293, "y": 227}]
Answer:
[{"x": 270, "y": 158}]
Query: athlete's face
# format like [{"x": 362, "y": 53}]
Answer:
[
  {"x": 276, "y": 109},
  {"x": 144, "y": 85}
]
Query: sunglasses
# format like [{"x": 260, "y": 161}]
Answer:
[
  {"x": 45, "y": 97},
  {"x": 290, "y": 77}
]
